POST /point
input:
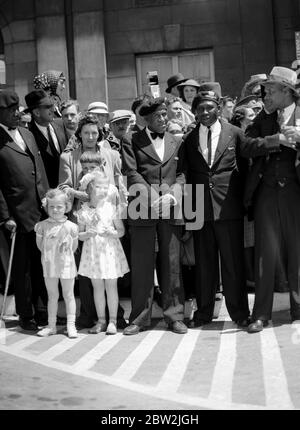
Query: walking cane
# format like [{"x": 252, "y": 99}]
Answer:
[{"x": 13, "y": 236}]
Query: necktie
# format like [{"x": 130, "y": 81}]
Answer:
[
  {"x": 280, "y": 118},
  {"x": 154, "y": 135},
  {"x": 209, "y": 146},
  {"x": 51, "y": 143}
]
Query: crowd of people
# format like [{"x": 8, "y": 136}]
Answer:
[{"x": 173, "y": 198}]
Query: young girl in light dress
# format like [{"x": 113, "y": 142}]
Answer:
[
  {"x": 102, "y": 258},
  {"x": 57, "y": 239}
]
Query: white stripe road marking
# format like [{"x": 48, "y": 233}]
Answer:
[
  {"x": 221, "y": 386},
  {"x": 184, "y": 399},
  {"x": 133, "y": 362},
  {"x": 22, "y": 344},
  {"x": 175, "y": 371},
  {"x": 276, "y": 387},
  {"x": 60, "y": 348},
  {"x": 88, "y": 360}
]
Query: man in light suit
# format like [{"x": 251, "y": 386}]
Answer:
[
  {"x": 23, "y": 183},
  {"x": 150, "y": 159},
  {"x": 212, "y": 157},
  {"x": 273, "y": 191},
  {"x": 49, "y": 135}
]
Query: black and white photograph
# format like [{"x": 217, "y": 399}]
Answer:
[{"x": 149, "y": 209}]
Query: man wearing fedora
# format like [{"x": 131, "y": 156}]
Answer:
[
  {"x": 23, "y": 184},
  {"x": 150, "y": 160},
  {"x": 212, "y": 157},
  {"x": 273, "y": 191},
  {"x": 119, "y": 124},
  {"x": 49, "y": 136}
]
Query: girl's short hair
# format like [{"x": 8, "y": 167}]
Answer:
[
  {"x": 90, "y": 178},
  {"x": 91, "y": 157},
  {"x": 54, "y": 193},
  {"x": 85, "y": 120}
]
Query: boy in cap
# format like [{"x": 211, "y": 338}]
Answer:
[
  {"x": 23, "y": 184},
  {"x": 150, "y": 160}
]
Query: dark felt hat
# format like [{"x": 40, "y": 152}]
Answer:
[
  {"x": 246, "y": 100},
  {"x": 175, "y": 80},
  {"x": 8, "y": 98},
  {"x": 151, "y": 105},
  {"x": 37, "y": 98}
]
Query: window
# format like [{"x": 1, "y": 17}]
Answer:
[{"x": 198, "y": 65}]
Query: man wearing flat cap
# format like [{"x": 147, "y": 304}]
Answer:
[
  {"x": 23, "y": 183},
  {"x": 49, "y": 135},
  {"x": 212, "y": 157},
  {"x": 273, "y": 191},
  {"x": 119, "y": 123},
  {"x": 150, "y": 159}
]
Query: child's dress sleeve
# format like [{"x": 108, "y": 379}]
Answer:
[{"x": 38, "y": 228}]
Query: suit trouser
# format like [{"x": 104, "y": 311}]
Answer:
[
  {"x": 27, "y": 275},
  {"x": 224, "y": 237},
  {"x": 277, "y": 224},
  {"x": 168, "y": 272}
]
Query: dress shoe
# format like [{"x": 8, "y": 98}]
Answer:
[
  {"x": 243, "y": 323},
  {"x": 178, "y": 327},
  {"x": 28, "y": 324},
  {"x": 257, "y": 326},
  {"x": 197, "y": 323},
  {"x": 132, "y": 329}
]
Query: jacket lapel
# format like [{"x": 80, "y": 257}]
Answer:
[
  {"x": 224, "y": 139},
  {"x": 170, "y": 147},
  {"x": 9, "y": 142},
  {"x": 146, "y": 146},
  {"x": 41, "y": 141}
]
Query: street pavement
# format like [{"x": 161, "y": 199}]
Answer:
[{"x": 218, "y": 366}]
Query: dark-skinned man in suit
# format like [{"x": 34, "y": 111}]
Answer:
[
  {"x": 150, "y": 161},
  {"x": 23, "y": 183},
  {"x": 212, "y": 156}
]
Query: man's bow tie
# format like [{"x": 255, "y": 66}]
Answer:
[
  {"x": 12, "y": 128},
  {"x": 154, "y": 135}
]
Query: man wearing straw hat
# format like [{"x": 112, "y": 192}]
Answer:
[
  {"x": 273, "y": 190},
  {"x": 23, "y": 183}
]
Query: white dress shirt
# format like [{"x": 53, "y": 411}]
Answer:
[
  {"x": 16, "y": 136},
  {"x": 53, "y": 135},
  {"x": 215, "y": 134},
  {"x": 158, "y": 144},
  {"x": 287, "y": 113}
]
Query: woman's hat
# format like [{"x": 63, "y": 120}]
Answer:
[
  {"x": 190, "y": 82},
  {"x": 97, "y": 107},
  {"x": 175, "y": 80}
]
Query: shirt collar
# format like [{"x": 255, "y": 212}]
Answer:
[
  {"x": 7, "y": 128},
  {"x": 215, "y": 126},
  {"x": 288, "y": 111}
]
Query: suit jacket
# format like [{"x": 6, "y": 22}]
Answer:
[
  {"x": 23, "y": 180},
  {"x": 51, "y": 162},
  {"x": 224, "y": 180},
  {"x": 150, "y": 176},
  {"x": 264, "y": 125}
]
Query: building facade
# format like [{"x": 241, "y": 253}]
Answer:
[{"x": 106, "y": 47}]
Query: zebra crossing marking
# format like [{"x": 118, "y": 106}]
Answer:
[
  {"x": 134, "y": 361},
  {"x": 221, "y": 386},
  {"x": 60, "y": 348},
  {"x": 88, "y": 360},
  {"x": 20, "y": 345},
  {"x": 173, "y": 375},
  {"x": 275, "y": 381}
]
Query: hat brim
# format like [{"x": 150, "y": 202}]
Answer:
[
  {"x": 98, "y": 110},
  {"x": 120, "y": 118},
  {"x": 168, "y": 90},
  {"x": 271, "y": 81}
]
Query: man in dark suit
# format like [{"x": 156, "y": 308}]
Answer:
[
  {"x": 273, "y": 190},
  {"x": 212, "y": 158},
  {"x": 23, "y": 183},
  {"x": 155, "y": 187},
  {"x": 49, "y": 136}
]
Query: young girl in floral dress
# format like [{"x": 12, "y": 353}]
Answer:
[{"x": 102, "y": 258}]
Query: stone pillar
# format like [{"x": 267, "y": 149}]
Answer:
[{"x": 90, "y": 57}]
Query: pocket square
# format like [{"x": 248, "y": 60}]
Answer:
[
  {"x": 230, "y": 148},
  {"x": 176, "y": 158}
]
